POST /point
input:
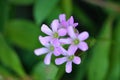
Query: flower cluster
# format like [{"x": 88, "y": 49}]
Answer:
[{"x": 62, "y": 32}]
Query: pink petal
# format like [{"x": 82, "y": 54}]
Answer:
[
  {"x": 62, "y": 17},
  {"x": 62, "y": 32},
  {"x": 45, "y": 29},
  {"x": 55, "y": 42},
  {"x": 69, "y": 67},
  {"x": 60, "y": 61},
  {"x": 75, "y": 24},
  {"x": 57, "y": 51},
  {"x": 71, "y": 20},
  {"x": 55, "y": 24},
  {"x": 71, "y": 32},
  {"x": 40, "y": 51},
  {"x": 72, "y": 49},
  {"x": 63, "y": 51},
  {"x": 47, "y": 58},
  {"x": 83, "y": 46},
  {"x": 44, "y": 40},
  {"x": 66, "y": 41},
  {"x": 77, "y": 60},
  {"x": 83, "y": 36},
  {"x": 64, "y": 24}
]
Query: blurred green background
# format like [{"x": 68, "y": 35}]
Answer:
[{"x": 20, "y": 22}]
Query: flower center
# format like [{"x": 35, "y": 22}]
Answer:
[
  {"x": 55, "y": 35},
  {"x": 52, "y": 48},
  {"x": 76, "y": 41},
  {"x": 71, "y": 57}
]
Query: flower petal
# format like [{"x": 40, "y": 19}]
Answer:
[
  {"x": 83, "y": 36},
  {"x": 83, "y": 46},
  {"x": 55, "y": 24},
  {"x": 45, "y": 29},
  {"x": 62, "y": 32},
  {"x": 71, "y": 32},
  {"x": 69, "y": 67},
  {"x": 77, "y": 60},
  {"x": 60, "y": 61},
  {"x": 47, "y": 58},
  {"x": 62, "y": 17},
  {"x": 75, "y": 24},
  {"x": 57, "y": 51},
  {"x": 71, "y": 20},
  {"x": 55, "y": 42},
  {"x": 44, "y": 40},
  {"x": 40, "y": 51},
  {"x": 63, "y": 51},
  {"x": 66, "y": 41},
  {"x": 64, "y": 24},
  {"x": 72, "y": 49}
]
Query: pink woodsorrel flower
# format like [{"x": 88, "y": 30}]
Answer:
[
  {"x": 48, "y": 49},
  {"x": 66, "y": 23},
  {"x": 53, "y": 34},
  {"x": 76, "y": 41},
  {"x": 69, "y": 57},
  {"x": 44, "y": 42}
]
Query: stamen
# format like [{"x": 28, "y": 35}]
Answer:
[
  {"x": 76, "y": 41},
  {"x": 52, "y": 48},
  {"x": 71, "y": 57},
  {"x": 55, "y": 35}
]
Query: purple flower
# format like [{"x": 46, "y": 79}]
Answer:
[
  {"x": 76, "y": 41},
  {"x": 53, "y": 34},
  {"x": 69, "y": 57},
  {"x": 62, "y": 32},
  {"x": 48, "y": 49},
  {"x": 66, "y": 23}
]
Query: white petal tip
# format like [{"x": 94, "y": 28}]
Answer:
[
  {"x": 68, "y": 71},
  {"x": 47, "y": 63},
  {"x": 85, "y": 49},
  {"x": 36, "y": 52}
]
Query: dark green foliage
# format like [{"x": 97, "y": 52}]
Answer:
[
  {"x": 23, "y": 33},
  {"x": 9, "y": 58}
]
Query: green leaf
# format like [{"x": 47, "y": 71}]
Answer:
[
  {"x": 99, "y": 63},
  {"x": 83, "y": 18},
  {"x": 9, "y": 58},
  {"x": 21, "y": 2},
  {"x": 114, "y": 71},
  {"x": 52, "y": 16},
  {"x": 23, "y": 33},
  {"x": 42, "y": 9},
  {"x": 4, "y": 13},
  {"x": 82, "y": 68},
  {"x": 44, "y": 72},
  {"x": 60, "y": 73},
  {"x": 4, "y": 72},
  {"x": 67, "y": 6}
]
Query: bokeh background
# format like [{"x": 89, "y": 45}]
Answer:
[{"x": 20, "y": 22}]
